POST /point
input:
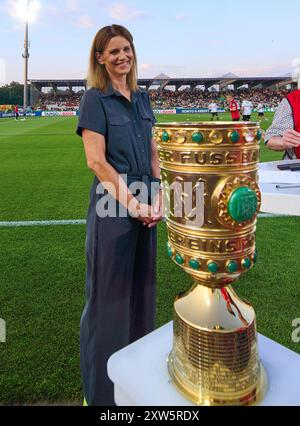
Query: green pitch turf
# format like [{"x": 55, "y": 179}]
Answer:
[{"x": 42, "y": 269}]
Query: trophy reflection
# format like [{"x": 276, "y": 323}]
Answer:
[{"x": 209, "y": 175}]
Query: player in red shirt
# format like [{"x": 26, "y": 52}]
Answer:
[
  {"x": 234, "y": 109},
  {"x": 16, "y": 112}
]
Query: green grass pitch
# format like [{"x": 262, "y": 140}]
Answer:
[{"x": 43, "y": 176}]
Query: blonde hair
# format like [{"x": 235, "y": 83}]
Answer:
[{"x": 97, "y": 75}]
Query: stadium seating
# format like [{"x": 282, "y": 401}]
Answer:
[
  {"x": 54, "y": 102},
  {"x": 200, "y": 99},
  {"x": 164, "y": 99}
]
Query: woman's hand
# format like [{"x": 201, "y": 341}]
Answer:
[
  {"x": 142, "y": 212},
  {"x": 157, "y": 209},
  {"x": 145, "y": 214}
]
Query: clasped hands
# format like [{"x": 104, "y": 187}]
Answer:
[{"x": 151, "y": 215}]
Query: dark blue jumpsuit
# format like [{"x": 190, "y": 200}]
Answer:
[{"x": 120, "y": 251}]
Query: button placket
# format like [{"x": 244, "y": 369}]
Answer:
[{"x": 138, "y": 131}]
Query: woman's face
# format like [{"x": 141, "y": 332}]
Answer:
[{"x": 117, "y": 57}]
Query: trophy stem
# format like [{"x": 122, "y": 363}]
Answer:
[{"x": 215, "y": 355}]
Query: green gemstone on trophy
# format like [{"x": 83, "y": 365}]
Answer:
[
  {"x": 246, "y": 263},
  {"x": 259, "y": 135},
  {"x": 194, "y": 264},
  {"x": 235, "y": 137},
  {"x": 213, "y": 267},
  {"x": 242, "y": 204},
  {"x": 179, "y": 259},
  {"x": 197, "y": 137},
  {"x": 255, "y": 257},
  {"x": 165, "y": 137},
  {"x": 232, "y": 266},
  {"x": 169, "y": 250}
]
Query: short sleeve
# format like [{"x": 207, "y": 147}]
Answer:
[
  {"x": 91, "y": 113},
  {"x": 150, "y": 109},
  {"x": 283, "y": 120}
]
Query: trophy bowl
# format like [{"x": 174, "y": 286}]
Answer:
[{"x": 209, "y": 175}]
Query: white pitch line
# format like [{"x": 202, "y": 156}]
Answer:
[
  {"x": 42, "y": 223},
  {"x": 83, "y": 221},
  {"x": 270, "y": 215}
]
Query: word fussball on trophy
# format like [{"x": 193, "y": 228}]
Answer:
[{"x": 211, "y": 235}]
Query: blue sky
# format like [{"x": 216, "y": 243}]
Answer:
[{"x": 181, "y": 38}]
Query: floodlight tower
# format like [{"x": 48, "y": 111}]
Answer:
[
  {"x": 26, "y": 57},
  {"x": 26, "y": 11}
]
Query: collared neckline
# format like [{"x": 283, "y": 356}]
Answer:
[{"x": 111, "y": 91}]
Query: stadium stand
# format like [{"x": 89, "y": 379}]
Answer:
[
  {"x": 200, "y": 99},
  {"x": 58, "y": 102},
  {"x": 187, "y": 94}
]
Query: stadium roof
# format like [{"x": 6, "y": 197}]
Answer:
[
  {"x": 162, "y": 81},
  {"x": 230, "y": 75}
]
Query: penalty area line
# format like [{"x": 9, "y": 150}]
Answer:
[{"x": 17, "y": 224}]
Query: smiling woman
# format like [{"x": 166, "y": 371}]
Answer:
[
  {"x": 115, "y": 123},
  {"x": 114, "y": 50}
]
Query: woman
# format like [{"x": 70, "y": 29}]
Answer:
[{"x": 116, "y": 126}]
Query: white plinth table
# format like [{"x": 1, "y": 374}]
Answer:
[
  {"x": 140, "y": 374},
  {"x": 275, "y": 200}
]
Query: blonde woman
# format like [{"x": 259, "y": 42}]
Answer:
[{"x": 115, "y": 123}]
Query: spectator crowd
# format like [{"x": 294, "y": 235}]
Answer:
[
  {"x": 58, "y": 102},
  {"x": 166, "y": 99}
]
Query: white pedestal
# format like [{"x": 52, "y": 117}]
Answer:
[
  {"x": 279, "y": 201},
  {"x": 140, "y": 373}
]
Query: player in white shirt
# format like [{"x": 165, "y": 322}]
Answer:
[
  {"x": 261, "y": 112},
  {"x": 247, "y": 110},
  {"x": 213, "y": 109}
]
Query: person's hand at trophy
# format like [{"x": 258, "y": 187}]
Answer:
[{"x": 289, "y": 139}]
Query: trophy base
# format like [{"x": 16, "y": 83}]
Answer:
[
  {"x": 199, "y": 397},
  {"x": 215, "y": 358}
]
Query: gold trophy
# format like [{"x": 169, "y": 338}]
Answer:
[{"x": 215, "y": 358}]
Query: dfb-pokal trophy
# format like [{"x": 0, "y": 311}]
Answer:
[{"x": 209, "y": 175}]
